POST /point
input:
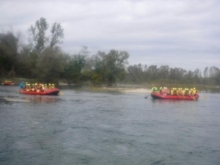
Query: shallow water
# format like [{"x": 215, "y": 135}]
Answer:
[{"x": 108, "y": 129}]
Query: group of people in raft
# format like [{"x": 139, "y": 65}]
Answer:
[
  {"x": 37, "y": 87},
  {"x": 176, "y": 91}
]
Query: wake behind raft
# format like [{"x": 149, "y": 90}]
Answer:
[{"x": 163, "y": 94}]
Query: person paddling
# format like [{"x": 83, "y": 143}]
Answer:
[
  {"x": 22, "y": 85},
  {"x": 154, "y": 89}
]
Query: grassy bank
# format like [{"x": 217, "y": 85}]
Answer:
[{"x": 120, "y": 88}]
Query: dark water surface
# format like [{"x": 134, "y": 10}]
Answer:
[{"x": 108, "y": 129}]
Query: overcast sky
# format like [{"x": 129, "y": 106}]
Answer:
[{"x": 178, "y": 33}]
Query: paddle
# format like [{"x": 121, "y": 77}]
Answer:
[
  {"x": 192, "y": 97},
  {"x": 183, "y": 96},
  {"x": 178, "y": 94}
]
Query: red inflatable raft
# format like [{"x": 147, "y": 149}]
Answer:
[
  {"x": 8, "y": 83},
  {"x": 52, "y": 91},
  {"x": 156, "y": 95}
]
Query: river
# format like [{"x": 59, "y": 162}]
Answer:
[{"x": 91, "y": 128}]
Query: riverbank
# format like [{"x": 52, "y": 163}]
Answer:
[
  {"x": 130, "y": 89},
  {"x": 120, "y": 88}
]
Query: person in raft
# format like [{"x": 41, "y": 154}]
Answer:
[
  {"x": 154, "y": 89},
  {"x": 183, "y": 91},
  {"x": 22, "y": 85},
  {"x": 176, "y": 91}
]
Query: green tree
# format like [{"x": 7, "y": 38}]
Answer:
[
  {"x": 28, "y": 62},
  {"x": 78, "y": 68},
  {"x": 73, "y": 71},
  {"x": 109, "y": 68},
  {"x": 197, "y": 76},
  {"x": 177, "y": 73},
  {"x": 214, "y": 74},
  {"x": 152, "y": 72},
  {"x": 97, "y": 70},
  {"x": 38, "y": 35},
  {"x": 135, "y": 73},
  {"x": 39, "y": 40},
  {"x": 163, "y": 72},
  {"x": 9, "y": 45},
  {"x": 50, "y": 64},
  {"x": 56, "y": 34}
]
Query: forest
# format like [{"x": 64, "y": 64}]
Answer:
[{"x": 44, "y": 60}]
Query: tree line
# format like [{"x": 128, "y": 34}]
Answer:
[
  {"x": 43, "y": 59},
  {"x": 167, "y": 75}
]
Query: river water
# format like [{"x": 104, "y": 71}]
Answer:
[{"x": 88, "y": 128}]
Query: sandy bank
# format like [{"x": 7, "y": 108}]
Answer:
[{"x": 128, "y": 90}]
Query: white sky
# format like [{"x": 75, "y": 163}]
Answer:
[{"x": 178, "y": 33}]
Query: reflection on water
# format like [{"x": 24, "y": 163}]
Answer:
[
  {"x": 106, "y": 129},
  {"x": 172, "y": 101}
]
